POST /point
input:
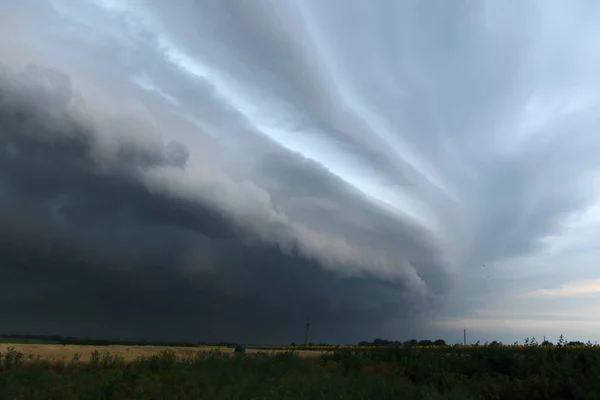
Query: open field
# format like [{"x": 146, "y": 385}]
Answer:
[
  {"x": 58, "y": 352},
  {"x": 440, "y": 372}
]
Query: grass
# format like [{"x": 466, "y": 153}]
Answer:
[{"x": 457, "y": 372}]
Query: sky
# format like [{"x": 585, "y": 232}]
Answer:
[{"x": 224, "y": 170}]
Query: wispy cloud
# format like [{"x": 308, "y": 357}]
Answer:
[{"x": 144, "y": 82}]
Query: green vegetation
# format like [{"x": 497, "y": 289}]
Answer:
[
  {"x": 239, "y": 349},
  {"x": 532, "y": 371}
]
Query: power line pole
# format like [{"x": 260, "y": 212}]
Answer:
[{"x": 465, "y": 337}]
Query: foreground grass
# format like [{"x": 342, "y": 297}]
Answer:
[
  {"x": 206, "y": 376},
  {"x": 388, "y": 373}
]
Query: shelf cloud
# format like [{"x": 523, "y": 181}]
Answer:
[{"x": 215, "y": 170}]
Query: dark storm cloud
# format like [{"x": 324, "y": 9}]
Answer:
[
  {"x": 86, "y": 217},
  {"x": 271, "y": 157}
]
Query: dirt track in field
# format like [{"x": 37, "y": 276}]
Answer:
[{"x": 58, "y": 352}]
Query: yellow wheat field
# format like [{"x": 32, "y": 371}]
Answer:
[{"x": 58, "y": 352}]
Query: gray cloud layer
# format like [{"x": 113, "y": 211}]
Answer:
[{"x": 224, "y": 171}]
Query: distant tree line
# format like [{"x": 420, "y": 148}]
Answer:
[
  {"x": 124, "y": 342},
  {"x": 105, "y": 342},
  {"x": 408, "y": 343},
  {"x": 528, "y": 342}
]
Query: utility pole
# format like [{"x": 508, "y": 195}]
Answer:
[
  {"x": 465, "y": 337},
  {"x": 307, "y": 332}
]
